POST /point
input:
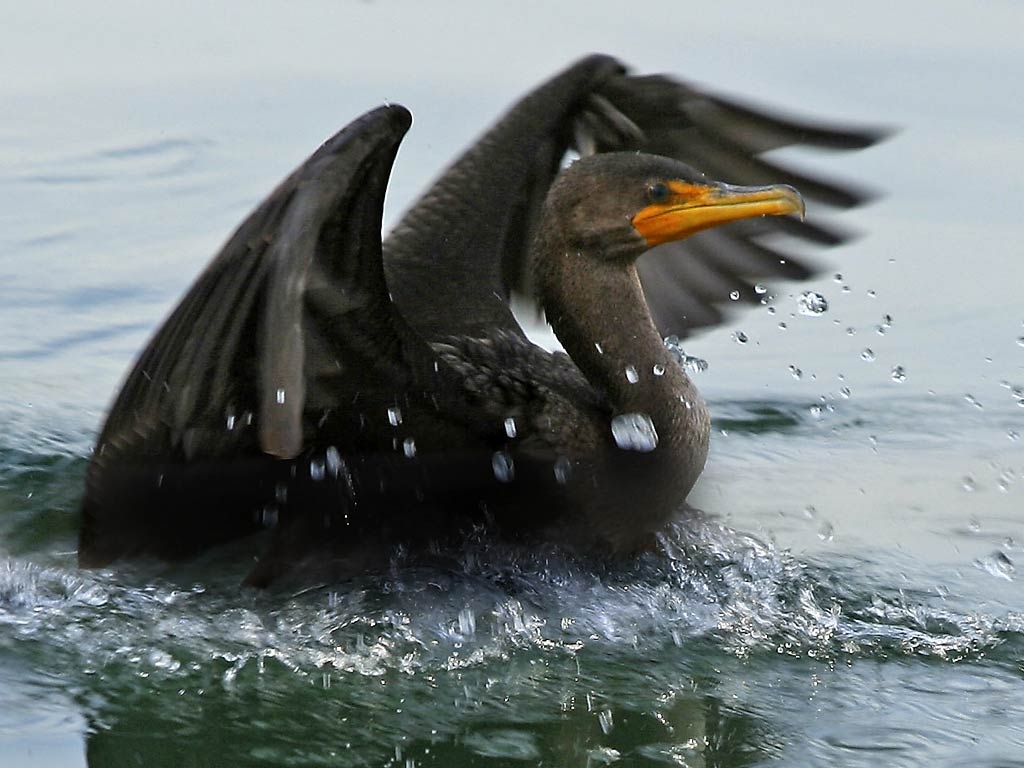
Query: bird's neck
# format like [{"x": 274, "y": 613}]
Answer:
[{"x": 597, "y": 310}]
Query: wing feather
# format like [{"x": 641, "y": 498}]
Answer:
[
  {"x": 470, "y": 233},
  {"x": 228, "y": 378}
]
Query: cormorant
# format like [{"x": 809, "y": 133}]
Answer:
[{"x": 350, "y": 394}]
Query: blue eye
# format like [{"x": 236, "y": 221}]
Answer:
[{"x": 657, "y": 193}]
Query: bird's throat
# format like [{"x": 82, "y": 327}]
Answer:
[{"x": 598, "y": 312}]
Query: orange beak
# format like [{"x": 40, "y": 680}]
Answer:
[{"x": 690, "y": 208}]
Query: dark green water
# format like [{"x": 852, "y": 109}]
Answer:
[{"x": 852, "y": 596}]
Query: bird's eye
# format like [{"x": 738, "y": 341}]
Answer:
[{"x": 657, "y": 193}]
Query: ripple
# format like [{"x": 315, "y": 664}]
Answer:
[
  {"x": 145, "y": 160},
  {"x": 47, "y": 349}
]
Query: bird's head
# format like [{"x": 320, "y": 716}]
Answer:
[{"x": 620, "y": 204}]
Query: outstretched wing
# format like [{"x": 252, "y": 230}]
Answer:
[
  {"x": 457, "y": 254},
  {"x": 260, "y": 329},
  {"x": 290, "y": 318}
]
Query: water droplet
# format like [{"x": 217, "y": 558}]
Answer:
[
  {"x": 972, "y": 400},
  {"x": 734, "y": 295},
  {"x": 844, "y": 392},
  {"x": 795, "y": 372},
  {"x": 634, "y": 432},
  {"x": 815, "y": 411},
  {"x": 268, "y": 516},
  {"x": 231, "y": 421},
  {"x": 760, "y": 290},
  {"x": 316, "y": 470},
  {"x": 510, "y": 427},
  {"x": 810, "y": 512},
  {"x": 826, "y": 531},
  {"x": 968, "y": 484},
  {"x": 685, "y": 361},
  {"x": 631, "y": 375},
  {"x": 880, "y": 329},
  {"x": 563, "y": 468},
  {"x": 899, "y": 375},
  {"x": 851, "y": 331},
  {"x": 280, "y": 397},
  {"x": 837, "y": 277},
  {"x": 867, "y": 355},
  {"x": 997, "y": 564},
  {"x": 394, "y": 415},
  {"x": 1014, "y": 435},
  {"x": 604, "y": 719},
  {"x": 811, "y": 303},
  {"x": 887, "y": 321},
  {"x": 502, "y": 466},
  {"x": 871, "y": 294},
  {"x": 333, "y": 461},
  {"x": 467, "y": 622},
  {"x": 740, "y": 337},
  {"x": 782, "y": 325},
  {"x": 1020, "y": 341},
  {"x": 409, "y": 447},
  {"x": 658, "y": 370},
  {"x": 597, "y": 346}
]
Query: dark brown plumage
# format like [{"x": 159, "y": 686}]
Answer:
[{"x": 345, "y": 393}]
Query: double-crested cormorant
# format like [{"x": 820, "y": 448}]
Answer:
[{"x": 347, "y": 393}]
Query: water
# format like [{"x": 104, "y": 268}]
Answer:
[{"x": 852, "y": 596}]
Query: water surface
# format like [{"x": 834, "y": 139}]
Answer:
[{"x": 853, "y": 595}]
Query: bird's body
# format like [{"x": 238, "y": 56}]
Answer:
[{"x": 346, "y": 393}]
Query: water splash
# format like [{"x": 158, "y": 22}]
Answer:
[
  {"x": 520, "y": 621},
  {"x": 687, "y": 362}
]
